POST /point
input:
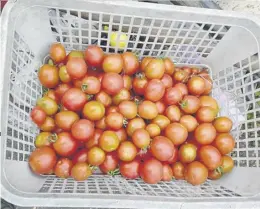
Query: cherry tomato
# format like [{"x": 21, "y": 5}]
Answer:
[
  {"x": 188, "y": 70},
  {"x": 227, "y": 164},
  {"x": 223, "y": 124},
  {"x": 112, "y": 83},
  {"x": 160, "y": 106},
  {"x": 190, "y": 104},
  {"x": 189, "y": 122},
  {"x": 205, "y": 133},
  {"x": 51, "y": 94},
  {"x": 90, "y": 85},
  {"x": 180, "y": 76},
  {"x": 128, "y": 109},
  {"x": 126, "y": 151},
  {"x": 93, "y": 141},
  {"x": 130, "y": 170},
  {"x": 94, "y": 110},
  {"x": 208, "y": 86},
  {"x": 162, "y": 121},
  {"x": 42, "y": 160},
  {"x": 196, "y": 173},
  {"x": 110, "y": 163},
  {"x": 43, "y": 139},
  {"x": 172, "y": 96},
  {"x": 76, "y": 68},
  {"x": 113, "y": 63},
  {"x": 48, "y": 105},
  {"x": 178, "y": 170},
  {"x": 183, "y": 88},
  {"x": 153, "y": 130},
  {"x": 75, "y": 53},
  {"x": 65, "y": 145},
  {"x": 94, "y": 55},
  {"x": 112, "y": 109},
  {"x": 101, "y": 124},
  {"x": 96, "y": 156},
  {"x": 145, "y": 62},
  {"x": 162, "y": 148},
  {"x": 81, "y": 171},
  {"x": 154, "y": 90},
  {"x": 63, "y": 74},
  {"x": 74, "y": 99},
  {"x": 225, "y": 143},
  {"x": 141, "y": 138},
  {"x": 63, "y": 168},
  {"x": 81, "y": 156},
  {"x": 187, "y": 153},
  {"x": 147, "y": 110},
  {"x": 205, "y": 114},
  {"x": 194, "y": 71},
  {"x": 155, "y": 69},
  {"x": 123, "y": 95},
  {"x": 210, "y": 157},
  {"x": 108, "y": 141},
  {"x": 208, "y": 101},
  {"x": 134, "y": 124},
  {"x": 127, "y": 82},
  {"x": 57, "y": 52},
  {"x": 215, "y": 174},
  {"x": 167, "y": 173},
  {"x": 104, "y": 98},
  {"x": 131, "y": 63},
  {"x": 167, "y": 81},
  {"x": 121, "y": 134},
  {"x": 48, "y": 125},
  {"x": 173, "y": 113},
  {"x": 114, "y": 120},
  {"x": 139, "y": 84},
  {"x": 151, "y": 171},
  {"x": 196, "y": 85},
  {"x": 177, "y": 133},
  {"x": 169, "y": 66},
  {"x": 38, "y": 115},
  {"x": 61, "y": 89},
  {"x": 65, "y": 119},
  {"x": 82, "y": 130}
]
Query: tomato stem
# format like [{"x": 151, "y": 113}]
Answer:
[
  {"x": 84, "y": 87},
  {"x": 93, "y": 168},
  {"x": 125, "y": 122},
  {"x": 53, "y": 138},
  {"x": 50, "y": 62},
  {"x": 139, "y": 75},
  {"x": 114, "y": 172}
]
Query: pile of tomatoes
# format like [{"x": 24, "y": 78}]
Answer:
[{"x": 145, "y": 119}]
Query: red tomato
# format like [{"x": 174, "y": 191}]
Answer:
[
  {"x": 65, "y": 145},
  {"x": 223, "y": 124},
  {"x": 131, "y": 63},
  {"x": 121, "y": 134},
  {"x": 189, "y": 122},
  {"x": 183, "y": 88},
  {"x": 109, "y": 141},
  {"x": 74, "y": 99},
  {"x": 172, "y": 96},
  {"x": 61, "y": 89},
  {"x": 174, "y": 157},
  {"x": 42, "y": 160},
  {"x": 104, "y": 98},
  {"x": 110, "y": 163},
  {"x": 82, "y": 130},
  {"x": 210, "y": 157},
  {"x": 141, "y": 138},
  {"x": 93, "y": 141},
  {"x": 65, "y": 119},
  {"x": 93, "y": 110},
  {"x": 81, "y": 156},
  {"x": 162, "y": 148},
  {"x": 196, "y": 85},
  {"x": 128, "y": 109},
  {"x": 154, "y": 90},
  {"x": 167, "y": 173},
  {"x": 48, "y": 125},
  {"x": 96, "y": 156},
  {"x": 205, "y": 133},
  {"x": 94, "y": 55},
  {"x": 48, "y": 76},
  {"x": 151, "y": 171},
  {"x": 169, "y": 66},
  {"x": 114, "y": 120},
  {"x": 134, "y": 124},
  {"x": 145, "y": 62},
  {"x": 126, "y": 151},
  {"x": 57, "y": 53},
  {"x": 147, "y": 110},
  {"x": 155, "y": 69},
  {"x": 112, "y": 83},
  {"x": 173, "y": 113},
  {"x": 130, "y": 170},
  {"x": 187, "y": 153},
  {"x": 206, "y": 114},
  {"x": 153, "y": 130},
  {"x": 123, "y": 95},
  {"x": 113, "y": 63},
  {"x": 160, "y": 106},
  {"x": 167, "y": 81},
  {"x": 76, "y": 68},
  {"x": 139, "y": 84},
  {"x": 81, "y": 171},
  {"x": 196, "y": 173},
  {"x": 38, "y": 116},
  {"x": 178, "y": 170},
  {"x": 63, "y": 168},
  {"x": 225, "y": 143},
  {"x": 190, "y": 104},
  {"x": 90, "y": 85},
  {"x": 177, "y": 133},
  {"x": 127, "y": 82}
]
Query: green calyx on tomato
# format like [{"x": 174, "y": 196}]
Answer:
[{"x": 114, "y": 172}]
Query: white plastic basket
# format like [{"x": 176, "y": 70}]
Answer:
[{"x": 226, "y": 42}]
